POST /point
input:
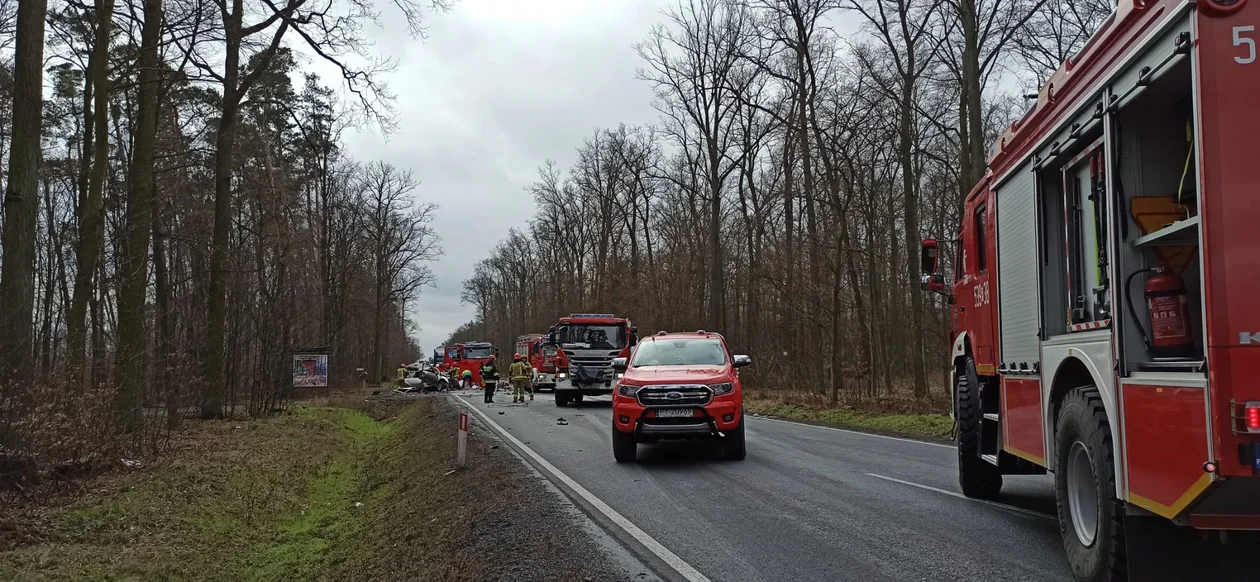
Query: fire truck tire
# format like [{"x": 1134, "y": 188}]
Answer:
[
  {"x": 624, "y": 447},
  {"x": 1091, "y": 519},
  {"x": 733, "y": 446},
  {"x": 978, "y": 478},
  {"x": 561, "y": 399}
]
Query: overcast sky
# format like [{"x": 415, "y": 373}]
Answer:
[{"x": 497, "y": 88}]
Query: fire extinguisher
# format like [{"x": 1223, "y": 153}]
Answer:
[{"x": 1167, "y": 303}]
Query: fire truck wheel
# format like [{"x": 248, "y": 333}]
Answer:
[
  {"x": 624, "y": 447},
  {"x": 1090, "y": 516},
  {"x": 733, "y": 444},
  {"x": 977, "y": 477}
]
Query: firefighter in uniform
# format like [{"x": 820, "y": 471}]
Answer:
[
  {"x": 529, "y": 377},
  {"x": 465, "y": 379},
  {"x": 489, "y": 377},
  {"x": 402, "y": 376},
  {"x": 520, "y": 374}
]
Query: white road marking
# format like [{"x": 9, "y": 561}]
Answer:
[
  {"x": 678, "y": 564},
  {"x": 1021, "y": 510},
  {"x": 858, "y": 432}
]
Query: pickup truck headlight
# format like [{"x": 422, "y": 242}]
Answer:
[
  {"x": 627, "y": 389},
  {"x": 723, "y": 388}
]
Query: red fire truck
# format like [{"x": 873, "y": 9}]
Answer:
[
  {"x": 546, "y": 359},
  {"x": 1097, "y": 332},
  {"x": 589, "y": 342},
  {"x": 467, "y": 356}
]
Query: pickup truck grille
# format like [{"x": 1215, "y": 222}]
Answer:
[{"x": 692, "y": 395}]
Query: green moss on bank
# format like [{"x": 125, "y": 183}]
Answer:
[{"x": 925, "y": 426}]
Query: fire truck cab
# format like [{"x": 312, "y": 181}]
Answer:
[
  {"x": 467, "y": 356},
  {"x": 589, "y": 342},
  {"x": 1104, "y": 324}
]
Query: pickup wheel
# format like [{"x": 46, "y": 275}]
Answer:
[
  {"x": 977, "y": 477},
  {"x": 624, "y": 448},
  {"x": 1091, "y": 519},
  {"x": 561, "y": 399},
  {"x": 733, "y": 444}
]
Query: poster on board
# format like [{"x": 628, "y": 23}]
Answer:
[{"x": 310, "y": 371}]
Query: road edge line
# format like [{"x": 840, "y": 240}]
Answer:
[
  {"x": 850, "y": 431},
  {"x": 1013, "y": 508},
  {"x": 671, "y": 559}
]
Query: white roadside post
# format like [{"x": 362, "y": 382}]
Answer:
[{"x": 463, "y": 438}]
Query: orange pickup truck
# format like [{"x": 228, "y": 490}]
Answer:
[{"x": 682, "y": 385}]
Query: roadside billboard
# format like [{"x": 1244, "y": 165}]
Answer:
[{"x": 310, "y": 370}]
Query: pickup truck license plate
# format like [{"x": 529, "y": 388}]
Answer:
[{"x": 675, "y": 413}]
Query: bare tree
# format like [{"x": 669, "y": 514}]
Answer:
[{"x": 691, "y": 66}]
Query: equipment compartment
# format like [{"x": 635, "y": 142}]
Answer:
[{"x": 1155, "y": 189}]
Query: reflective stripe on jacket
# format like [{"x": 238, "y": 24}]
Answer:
[{"x": 489, "y": 372}]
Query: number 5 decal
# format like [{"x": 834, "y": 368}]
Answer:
[{"x": 1240, "y": 40}]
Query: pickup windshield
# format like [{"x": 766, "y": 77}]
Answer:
[
  {"x": 680, "y": 352},
  {"x": 600, "y": 337}
]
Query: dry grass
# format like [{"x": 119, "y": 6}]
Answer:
[{"x": 320, "y": 493}]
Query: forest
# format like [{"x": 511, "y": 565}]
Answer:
[
  {"x": 803, "y": 151},
  {"x": 181, "y": 215}
]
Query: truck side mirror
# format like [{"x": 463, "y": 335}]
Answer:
[
  {"x": 934, "y": 283},
  {"x": 634, "y": 336},
  {"x": 929, "y": 257},
  {"x": 739, "y": 361},
  {"x": 619, "y": 364}
]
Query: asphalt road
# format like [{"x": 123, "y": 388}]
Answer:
[{"x": 808, "y": 503}]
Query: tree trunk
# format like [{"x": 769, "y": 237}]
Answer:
[
  {"x": 910, "y": 188},
  {"x": 92, "y": 217},
  {"x": 21, "y": 208},
  {"x": 974, "y": 144},
  {"x": 48, "y": 346},
  {"x": 717, "y": 298},
  {"x": 212, "y": 399},
  {"x": 141, "y": 184}
]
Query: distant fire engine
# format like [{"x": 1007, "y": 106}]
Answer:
[
  {"x": 547, "y": 360},
  {"x": 1105, "y": 324}
]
